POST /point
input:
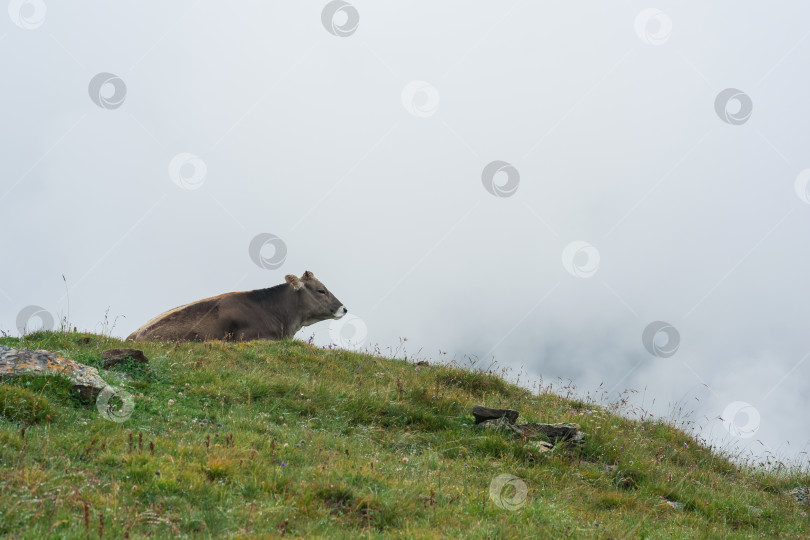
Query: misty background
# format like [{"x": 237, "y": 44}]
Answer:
[{"x": 360, "y": 134}]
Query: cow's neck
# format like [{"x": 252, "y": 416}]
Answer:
[
  {"x": 293, "y": 322},
  {"x": 282, "y": 305}
]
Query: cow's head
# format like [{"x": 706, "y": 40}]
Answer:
[{"x": 316, "y": 302}]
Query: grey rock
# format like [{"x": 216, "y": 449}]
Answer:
[
  {"x": 540, "y": 446},
  {"x": 113, "y": 356},
  {"x": 568, "y": 433},
  {"x": 482, "y": 414},
  {"x": 17, "y": 362},
  {"x": 674, "y": 504},
  {"x": 800, "y": 494},
  {"x": 555, "y": 432}
]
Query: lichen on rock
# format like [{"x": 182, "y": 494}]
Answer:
[{"x": 18, "y": 362}]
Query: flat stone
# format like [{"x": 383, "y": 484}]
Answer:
[
  {"x": 562, "y": 432},
  {"x": 578, "y": 438},
  {"x": 557, "y": 433},
  {"x": 17, "y": 362},
  {"x": 800, "y": 494},
  {"x": 482, "y": 414},
  {"x": 540, "y": 446},
  {"x": 674, "y": 504},
  {"x": 113, "y": 356}
]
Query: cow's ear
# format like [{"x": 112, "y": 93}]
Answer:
[
  {"x": 294, "y": 281},
  {"x": 308, "y": 275}
]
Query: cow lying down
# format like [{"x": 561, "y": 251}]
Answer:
[{"x": 274, "y": 313}]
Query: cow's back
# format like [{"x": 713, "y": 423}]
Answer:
[{"x": 197, "y": 321}]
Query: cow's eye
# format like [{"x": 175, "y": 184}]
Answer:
[{"x": 321, "y": 291}]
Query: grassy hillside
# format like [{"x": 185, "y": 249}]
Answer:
[{"x": 286, "y": 439}]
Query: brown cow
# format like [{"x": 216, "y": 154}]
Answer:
[{"x": 274, "y": 313}]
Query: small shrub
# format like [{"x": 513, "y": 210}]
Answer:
[
  {"x": 628, "y": 479},
  {"x": 361, "y": 511},
  {"x": 218, "y": 468},
  {"x": 337, "y": 498},
  {"x": 474, "y": 382},
  {"x": 21, "y": 405}
]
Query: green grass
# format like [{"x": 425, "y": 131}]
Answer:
[{"x": 264, "y": 439}]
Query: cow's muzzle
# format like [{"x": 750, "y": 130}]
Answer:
[{"x": 340, "y": 312}]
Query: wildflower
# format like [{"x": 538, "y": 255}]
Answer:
[
  {"x": 404, "y": 460},
  {"x": 171, "y": 402},
  {"x": 283, "y": 463},
  {"x": 686, "y": 445}
]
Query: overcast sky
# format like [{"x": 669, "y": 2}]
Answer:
[{"x": 534, "y": 183}]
